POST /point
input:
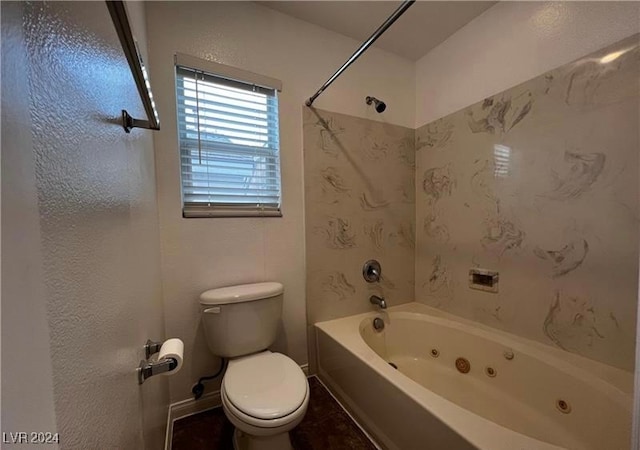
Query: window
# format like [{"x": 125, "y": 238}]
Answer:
[{"x": 229, "y": 140}]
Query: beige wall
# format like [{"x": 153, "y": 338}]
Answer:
[
  {"x": 513, "y": 42},
  {"x": 199, "y": 254},
  {"x": 539, "y": 183},
  {"x": 86, "y": 235},
  {"x": 463, "y": 70},
  {"x": 360, "y": 203}
]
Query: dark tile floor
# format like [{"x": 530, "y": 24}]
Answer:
[{"x": 325, "y": 427}]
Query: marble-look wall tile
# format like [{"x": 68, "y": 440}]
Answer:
[
  {"x": 359, "y": 205},
  {"x": 540, "y": 183}
]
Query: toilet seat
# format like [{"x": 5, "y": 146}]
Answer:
[
  {"x": 262, "y": 427},
  {"x": 266, "y": 389}
]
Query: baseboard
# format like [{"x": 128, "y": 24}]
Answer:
[{"x": 190, "y": 406}]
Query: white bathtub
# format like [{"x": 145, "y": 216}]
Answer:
[{"x": 428, "y": 404}]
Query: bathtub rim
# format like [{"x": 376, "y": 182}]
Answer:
[{"x": 620, "y": 378}]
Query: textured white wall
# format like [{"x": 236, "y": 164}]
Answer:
[
  {"x": 26, "y": 360},
  {"x": 92, "y": 229},
  {"x": 154, "y": 400},
  {"x": 198, "y": 254},
  {"x": 513, "y": 42}
]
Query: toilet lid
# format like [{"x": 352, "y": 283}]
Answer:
[{"x": 265, "y": 386}]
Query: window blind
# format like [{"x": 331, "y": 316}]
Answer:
[{"x": 229, "y": 146}]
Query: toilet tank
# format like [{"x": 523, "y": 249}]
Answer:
[{"x": 240, "y": 320}]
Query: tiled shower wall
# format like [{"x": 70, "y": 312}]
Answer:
[
  {"x": 539, "y": 183},
  {"x": 359, "y": 197}
]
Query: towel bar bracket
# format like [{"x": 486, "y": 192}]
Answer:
[{"x": 129, "y": 123}]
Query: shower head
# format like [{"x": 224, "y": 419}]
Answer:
[{"x": 379, "y": 104}]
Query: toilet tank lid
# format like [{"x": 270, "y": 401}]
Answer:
[{"x": 241, "y": 293}]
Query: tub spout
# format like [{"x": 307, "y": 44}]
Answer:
[{"x": 374, "y": 299}]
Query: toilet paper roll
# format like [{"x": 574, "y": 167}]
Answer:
[{"x": 172, "y": 348}]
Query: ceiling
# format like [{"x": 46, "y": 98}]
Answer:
[{"x": 422, "y": 27}]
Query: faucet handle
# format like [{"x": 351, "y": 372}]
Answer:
[{"x": 371, "y": 271}]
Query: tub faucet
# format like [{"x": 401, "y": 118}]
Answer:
[{"x": 374, "y": 299}]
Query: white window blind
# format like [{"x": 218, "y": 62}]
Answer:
[{"x": 229, "y": 146}]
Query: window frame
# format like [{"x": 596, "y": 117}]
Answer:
[{"x": 242, "y": 78}]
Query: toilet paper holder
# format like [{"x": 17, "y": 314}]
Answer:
[
  {"x": 147, "y": 368},
  {"x": 151, "y": 348}
]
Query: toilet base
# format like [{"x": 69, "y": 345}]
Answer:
[{"x": 243, "y": 441}]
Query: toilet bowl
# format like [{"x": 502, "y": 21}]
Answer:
[{"x": 264, "y": 394}]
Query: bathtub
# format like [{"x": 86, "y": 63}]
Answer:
[{"x": 517, "y": 394}]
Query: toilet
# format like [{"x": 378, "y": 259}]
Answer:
[{"x": 264, "y": 394}]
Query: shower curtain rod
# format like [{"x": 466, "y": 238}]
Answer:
[{"x": 392, "y": 18}]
